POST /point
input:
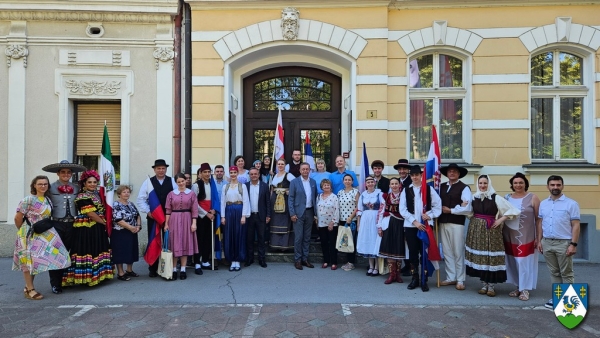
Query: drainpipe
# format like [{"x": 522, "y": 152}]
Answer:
[
  {"x": 177, "y": 99},
  {"x": 187, "y": 46}
]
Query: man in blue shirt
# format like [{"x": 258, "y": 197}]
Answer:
[
  {"x": 337, "y": 177},
  {"x": 558, "y": 232}
]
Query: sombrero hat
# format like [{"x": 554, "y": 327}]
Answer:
[
  {"x": 64, "y": 164},
  {"x": 463, "y": 171}
]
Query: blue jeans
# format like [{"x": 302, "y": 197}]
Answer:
[{"x": 302, "y": 232}]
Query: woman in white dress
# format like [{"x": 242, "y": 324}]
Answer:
[{"x": 370, "y": 211}]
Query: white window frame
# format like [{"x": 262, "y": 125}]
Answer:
[
  {"x": 436, "y": 93},
  {"x": 556, "y": 92}
]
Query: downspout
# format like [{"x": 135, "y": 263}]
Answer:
[
  {"x": 177, "y": 96},
  {"x": 187, "y": 45}
]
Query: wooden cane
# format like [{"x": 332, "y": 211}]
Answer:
[{"x": 212, "y": 231}]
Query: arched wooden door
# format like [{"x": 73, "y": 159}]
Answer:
[{"x": 311, "y": 103}]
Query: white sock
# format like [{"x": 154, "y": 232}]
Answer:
[
  {"x": 174, "y": 269},
  {"x": 237, "y": 264},
  {"x": 198, "y": 266},
  {"x": 183, "y": 269},
  {"x": 205, "y": 263}
]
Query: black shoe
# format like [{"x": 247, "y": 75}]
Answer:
[
  {"x": 198, "y": 271},
  {"x": 174, "y": 275},
  {"x": 182, "y": 275},
  {"x": 153, "y": 274},
  {"x": 206, "y": 267},
  {"x": 424, "y": 287},
  {"x": 56, "y": 290},
  {"x": 262, "y": 263},
  {"x": 248, "y": 263},
  {"x": 414, "y": 282},
  {"x": 232, "y": 268},
  {"x": 237, "y": 268}
]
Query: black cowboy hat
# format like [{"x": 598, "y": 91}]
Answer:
[
  {"x": 160, "y": 163},
  {"x": 415, "y": 169},
  {"x": 64, "y": 164},
  {"x": 402, "y": 163},
  {"x": 463, "y": 171}
]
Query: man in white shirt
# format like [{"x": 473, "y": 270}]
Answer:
[
  {"x": 411, "y": 208},
  {"x": 219, "y": 178},
  {"x": 260, "y": 207}
]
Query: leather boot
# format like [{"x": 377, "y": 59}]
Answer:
[
  {"x": 415, "y": 280},
  {"x": 424, "y": 286},
  {"x": 398, "y": 272},
  {"x": 392, "y": 276}
]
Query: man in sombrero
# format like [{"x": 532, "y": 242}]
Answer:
[
  {"x": 456, "y": 204},
  {"x": 62, "y": 196}
]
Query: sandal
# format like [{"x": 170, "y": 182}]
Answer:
[
  {"x": 375, "y": 273},
  {"x": 515, "y": 293},
  {"x": 524, "y": 296},
  {"x": 484, "y": 289},
  {"x": 491, "y": 292},
  {"x": 36, "y": 295},
  {"x": 131, "y": 274},
  {"x": 124, "y": 277}
]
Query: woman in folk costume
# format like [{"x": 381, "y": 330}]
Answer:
[
  {"x": 370, "y": 211},
  {"x": 35, "y": 253},
  {"x": 236, "y": 203},
  {"x": 484, "y": 252},
  {"x": 180, "y": 220},
  {"x": 519, "y": 239},
  {"x": 282, "y": 233},
  {"x": 392, "y": 233},
  {"x": 90, "y": 251}
]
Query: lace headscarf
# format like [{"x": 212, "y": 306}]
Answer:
[{"x": 484, "y": 194}]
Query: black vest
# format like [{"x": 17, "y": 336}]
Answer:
[
  {"x": 162, "y": 190},
  {"x": 451, "y": 199},
  {"x": 410, "y": 200},
  {"x": 294, "y": 169}
]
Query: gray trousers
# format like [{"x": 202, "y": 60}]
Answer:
[{"x": 302, "y": 232}]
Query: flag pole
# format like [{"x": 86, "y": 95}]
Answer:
[
  {"x": 212, "y": 255},
  {"x": 273, "y": 159},
  {"x": 437, "y": 236}
]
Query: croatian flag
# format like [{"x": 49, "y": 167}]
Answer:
[
  {"x": 431, "y": 178},
  {"x": 364, "y": 170},
  {"x": 107, "y": 180},
  {"x": 308, "y": 155},
  {"x": 154, "y": 248},
  {"x": 215, "y": 204}
]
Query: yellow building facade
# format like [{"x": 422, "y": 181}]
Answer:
[{"x": 510, "y": 87}]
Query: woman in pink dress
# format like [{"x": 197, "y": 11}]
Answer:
[{"x": 182, "y": 212}]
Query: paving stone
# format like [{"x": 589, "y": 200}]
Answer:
[
  {"x": 498, "y": 325},
  {"x": 119, "y": 314},
  {"x": 157, "y": 335},
  {"x": 415, "y": 335},
  {"x": 287, "y": 312},
  {"x": 135, "y": 324},
  {"x": 351, "y": 335},
  {"x": 92, "y": 335},
  {"x": 436, "y": 324},
  {"x": 176, "y": 313},
  {"x": 27, "y": 335},
  {"x": 256, "y": 323},
  {"x": 479, "y": 335},
  {"x": 196, "y": 323},
  {"x": 286, "y": 334},
  {"x": 455, "y": 314},
  {"x": 222, "y": 335},
  {"x": 377, "y": 324},
  {"x": 399, "y": 313},
  {"x": 317, "y": 323}
]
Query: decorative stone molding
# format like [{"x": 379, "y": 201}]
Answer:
[
  {"x": 82, "y": 57},
  {"x": 440, "y": 35},
  {"x": 163, "y": 54},
  {"x": 85, "y": 17},
  {"x": 102, "y": 88},
  {"x": 289, "y": 23},
  {"x": 562, "y": 31},
  {"x": 315, "y": 31},
  {"x": 16, "y": 52}
]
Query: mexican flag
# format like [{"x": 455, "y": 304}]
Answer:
[{"x": 107, "y": 180}]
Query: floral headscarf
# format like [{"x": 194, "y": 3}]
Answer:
[
  {"x": 87, "y": 174},
  {"x": 484, "y": 194}
]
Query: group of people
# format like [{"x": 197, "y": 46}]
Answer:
[{"x": 389, "y": 220}]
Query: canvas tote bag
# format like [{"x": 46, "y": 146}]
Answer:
[{"x": 165, "y": 265}]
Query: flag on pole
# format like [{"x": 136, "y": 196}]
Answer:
[
  {"x": 432, "y": 172},
  {"x": 215, "y": 204},
  {"x": 154, "y": 248},
  {"x": 308, "y": 155},
  {"x": 107, "y": 179},
  {"x": 364, "y": 170},
  {"x": 278, "y": 138}
]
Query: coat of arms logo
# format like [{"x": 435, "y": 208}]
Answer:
[{"x": 570, "y": 303}]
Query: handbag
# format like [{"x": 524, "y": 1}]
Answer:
[
  {"x": 344, "y": 241},
  {"x": 40, "y": 226},
  {"x": 165, "y": 264}
]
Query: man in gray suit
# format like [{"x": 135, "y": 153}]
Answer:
[{"x": 302, "y": 203}]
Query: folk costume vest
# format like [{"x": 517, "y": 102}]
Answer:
[
  {"x": 451, "y": 199},
  {"x": 294, "y": 169},
  {"x": 63, "y": 200},
  {"x": 410, "y": 200},
  {"x": 162, "y": 190}
]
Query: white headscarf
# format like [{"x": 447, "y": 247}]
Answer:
[{"x": 484, "y": 194}]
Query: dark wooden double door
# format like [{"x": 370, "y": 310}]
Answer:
[{"x": 311, "y": 105}]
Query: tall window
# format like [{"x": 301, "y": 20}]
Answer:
[
  {"x": 89, "y": 130},
  {"x": 558, "y": 94},
  {"x": 437, "y": 92}
]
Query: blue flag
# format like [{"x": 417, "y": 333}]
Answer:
[{"x": 215, "y": 201}]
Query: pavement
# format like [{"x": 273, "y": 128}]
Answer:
[{"x": 280, "y": 301}]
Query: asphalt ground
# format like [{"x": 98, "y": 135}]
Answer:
[{"x": 280, "y": 301}]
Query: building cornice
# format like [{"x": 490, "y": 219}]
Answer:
[
  {"x": 278, "y": 4},
  {"x": 134, "y": 11},
  {"x": 433, "y": 4}
]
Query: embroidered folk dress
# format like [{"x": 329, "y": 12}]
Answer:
[
  {"x": 484, "y": 252},
  {"x": 282, "y": 232},
  {"x": 235, "y": 205},
  {"x": 90, "y": 251},
  {"x": 38, "y": 252},
  {"x": 182, "y": 206},
  {"x": 392, "y": 241},
  {"x": 370, "y": 210}
]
